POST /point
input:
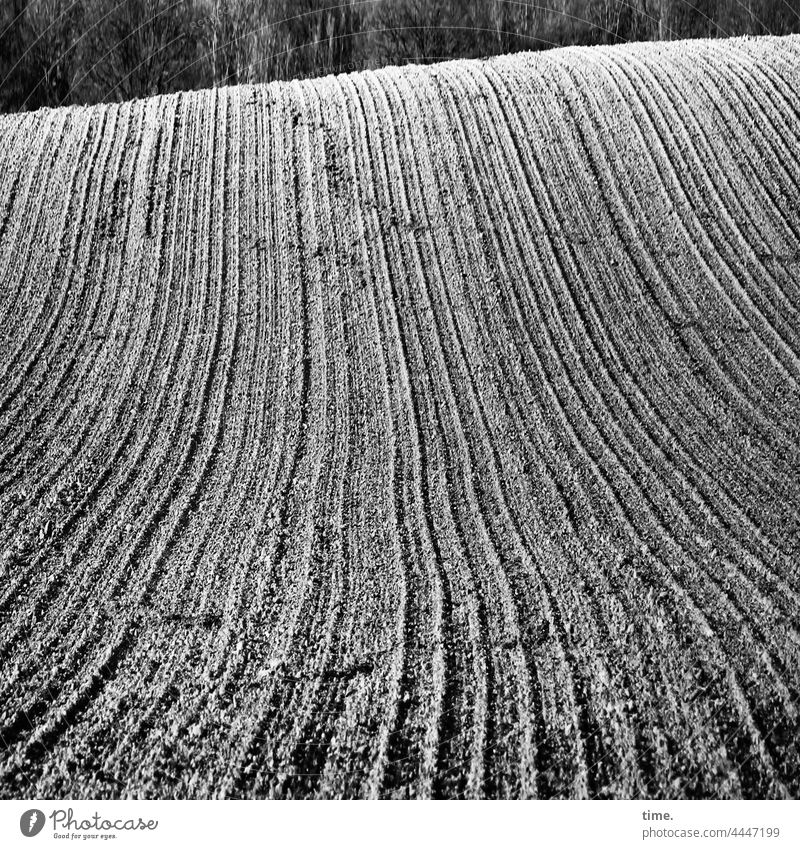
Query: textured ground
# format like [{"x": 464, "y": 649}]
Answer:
[{"x": 425, "y": 432}]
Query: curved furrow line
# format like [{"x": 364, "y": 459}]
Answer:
[
  {"x": 312, "y": 420},
  {"x": 259, "y": 607},
  {"x": 429, "y": 627},
  {"x": 673, "y": 437},
  {"x": 688, "y": 329},
  {"x": 774, "y": 107},
  {"x": 510, "y": 376},
  {"x": 213, "y": 539},
  {"x": 386, "y": 336},
  {"x": 96, "y": 343},
  {"x": 198, "y": 516},
  {"x": 663, "y": 531},
  {"x": 307, "y": 477},
  {"x": 268, "y": 588},
  {"x": 34, "y": 372},
  {"x": 33, "y": 520},
  {"x": 418, "y": 204},
  {"x": 76, "y": 212},
  {"x": 326, "y": 747},
  {"x": 411, "y": 204},
  {"x": 716, "y": 168},
  {"x": 84, "y": 504},
  {"x": 303, "y": 748},
  {"x": 778, "y": 136},
  {"x": 402, "y": 694},
  {"x": 41, "y": 157},
  {"x": 507, "y": 252},
  {"x": 650, "y": 271},
  {"x": 736, "y": 295},
  {"x": 765, "y": 85},
  {"x": 70, "y": 387},
  {"x": 665, "y": 447},
  {"x": 376, "y": 545},
  {"x": 499, "y": 495},
  {"x": 203, "y": 439},
  {"x": 737, "y": 92},
  {"x": 784, "y": 47},
  {"x": 176, "y": 610},
  {"x": 771, "y": 229},
  {"x": 424, "y": 432},
  {"x": 513, "y": 375},
  {"x": 734, "y": 251},
  {"x": 136, "y": 548},
  {"x": 19, "y": 196},
  {"x": 612, "y": 361},
  {"x": 746, "y": 392},
  {"x": 114, "y": 422},
  {"x": 122, "y": 640},
  {"x": 59, "y": 671},
  {"x": 593, "y": 737},
  {"x": 758, "y": 86},
  {"x": 768, "y": 283},
  {"x": 328, "y": 752},
  {"x": 227, "y": 551},
  {"x": 304, "y": 361},
  {"x": 588, "y": 510},
  {"x": 427, "y": 598}
]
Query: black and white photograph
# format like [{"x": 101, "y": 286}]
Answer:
[{"x": 400, "y": 400}]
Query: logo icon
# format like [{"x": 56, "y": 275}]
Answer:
[{"x": 31, "y": 822}]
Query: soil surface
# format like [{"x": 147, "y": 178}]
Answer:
[{"x": 426, "y": 432}]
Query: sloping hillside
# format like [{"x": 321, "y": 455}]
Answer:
[{"x": 422, "y": 432}]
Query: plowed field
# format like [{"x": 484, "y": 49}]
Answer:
[{"x": 425, "y": 432}]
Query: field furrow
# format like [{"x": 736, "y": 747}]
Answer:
[{"x": 421, "y": 432}]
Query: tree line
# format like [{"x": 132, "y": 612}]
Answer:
[{"x": 59, "y": 52}]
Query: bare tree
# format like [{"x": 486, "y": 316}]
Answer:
[
  {"x": 422, "y": 31},
  {"x": 234, "y": 29},
  {"x": 38, "y": 57},
  {"x": 138, "y": 45},
  {"x": 67, "y": 51}
]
